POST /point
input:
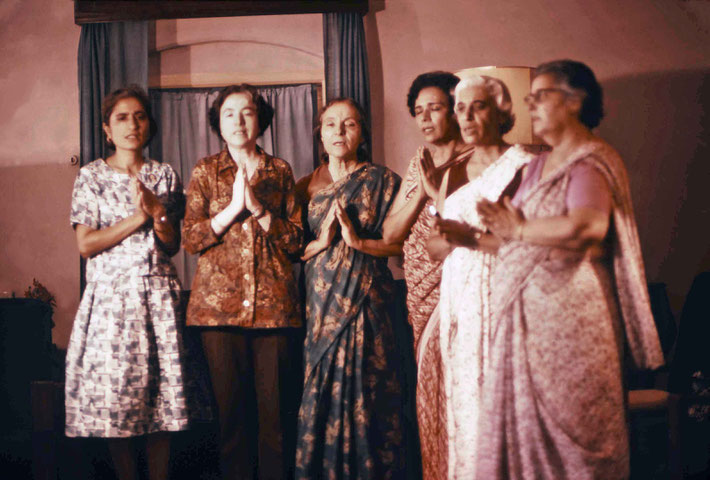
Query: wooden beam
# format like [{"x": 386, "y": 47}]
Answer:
[{"x": 97, "y": 11}]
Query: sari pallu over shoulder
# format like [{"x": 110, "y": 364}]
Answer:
[
  {"x": 340, "y": 278},
  {"x": 519, "y": 259},
  {"x": 553, "y": 397},
  {"x": 350, "y": 419}
]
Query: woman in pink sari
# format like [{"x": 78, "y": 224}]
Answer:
[
  {"x": 568, "y": 287},
  {"x": 431, "y": 103}
]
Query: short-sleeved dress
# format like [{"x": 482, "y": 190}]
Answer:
[{"x": 126, "y": 362}]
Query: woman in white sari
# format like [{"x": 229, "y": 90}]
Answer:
[{"x": 483, "y": 110}]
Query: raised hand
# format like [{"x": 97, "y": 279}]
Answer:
[
  {"x": 347, "y": 230},
  {"x": 429, "y": 178},
  {"x": 458, "y": 233},
  {"x": 238, "y": 196},
  {"x": 250, "y": 201},
  {"x": 329, "y": 227},
  {"x": 145, "y": 201},
  {"x": 503, "y": 219}
]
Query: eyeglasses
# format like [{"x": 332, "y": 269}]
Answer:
[{"x": 542, "y": 94}]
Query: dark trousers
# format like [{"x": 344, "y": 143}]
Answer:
[{"x": 256, "y": 387}]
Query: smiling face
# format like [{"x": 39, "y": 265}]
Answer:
[
  {"x": 239, "y": 121},
  {"x": 340, "y": 131},
  {"x": 555, "y": 107},
  {"x": 477, "y": 116},
  {"x": 128, "y": 125},
  {"x": 433, "y": 116}
]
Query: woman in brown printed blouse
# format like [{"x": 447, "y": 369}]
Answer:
[{"x": 242, "y": 219}]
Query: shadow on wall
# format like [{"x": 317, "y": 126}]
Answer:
[{"x": 659, "y": 124}]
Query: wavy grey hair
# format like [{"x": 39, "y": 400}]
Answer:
[{"x": 498, "y": 91}]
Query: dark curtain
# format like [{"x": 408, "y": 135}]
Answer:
[
  {"x": 111, "y": 55},
  {"x": 346, "y": 73},
  {"x": 184, "y": 136}
]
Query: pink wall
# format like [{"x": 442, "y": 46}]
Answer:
[
  {"x": 652, "y": 58},
  {"x": 39, "y": 132}
]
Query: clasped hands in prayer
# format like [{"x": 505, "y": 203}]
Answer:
[
  {"x": 243, "y": 195},
  {"x": 501, "y": 219},
  {"x": 334, "y": 219},
  {"x": 146, "y": 202}
]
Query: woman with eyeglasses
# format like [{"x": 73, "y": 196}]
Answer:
[
  {"x": 569, "y": 285},
  {"x": 484, "y": 114}
]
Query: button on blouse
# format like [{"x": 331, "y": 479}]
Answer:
[{"x": 244, "y": 276}]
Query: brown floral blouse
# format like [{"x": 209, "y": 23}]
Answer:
[{"x": 244, "y": 276}]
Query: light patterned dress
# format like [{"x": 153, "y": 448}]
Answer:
[
  {"x": 464, "y": 308},
  {"x": 126, "y": 368}
]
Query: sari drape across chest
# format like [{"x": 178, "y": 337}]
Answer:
[
  {"x": 423, "y": 275},
  {"x": 553, "y": 396},
  {"x": 350, "y": 422}
]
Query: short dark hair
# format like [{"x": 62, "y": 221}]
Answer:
[
  {"x": 578, "y": 76},
  {"x": 264, "y": 111},
  {"x": 130, "y": 91},
  {"x": 363, "y": 150},
  {"x": 444, "y": 81}
]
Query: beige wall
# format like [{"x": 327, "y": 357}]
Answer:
[
  {"x": 651, "y": 57},
  {"x": 219, "y": 51}
]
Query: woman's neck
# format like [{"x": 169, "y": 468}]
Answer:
[
  {"x": 246, "y": 156},
  {"x": 489, "y": 152},
  {"x": 341, "y": 167},
  {"x": 126, "y": 161},
  {"x": 445, "y": 150},
  {"x": 566, "y": 142}
]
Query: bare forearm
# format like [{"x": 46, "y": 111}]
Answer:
[
  {"x": 91, "y": 242},
  {"x": 575, "y": 231},
  {"x": 378, "y": 248},
  {"x": 438, "y": 247},
  {"x": 168, "y": 235},
  {"x": 221, "y": 222},
  {"x": 312, "y": 249},
  {"x": 398, "y": 223}
]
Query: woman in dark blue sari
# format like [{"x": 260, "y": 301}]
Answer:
[{"x": 350, "y": 422}]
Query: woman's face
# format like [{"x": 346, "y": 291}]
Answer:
[
  {"x": 432, "y": 114},
  {"x": 128, "y": 125},
  {"x": 552, "y": 106},
  {"x": 239, "y": 121},
  {"x": 340, "y": 131},
  {"x": 477, "y": 116}
]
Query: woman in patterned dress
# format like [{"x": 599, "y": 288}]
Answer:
[
  {"x": 431, "y": 103},
  {"x": 484, "y": 113},
  {"x": 350, "y": 422},
  {"x": 243, "y": 220},
  {"x": 569, "y": 276},
  {"x": 125, "y": 369}
]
